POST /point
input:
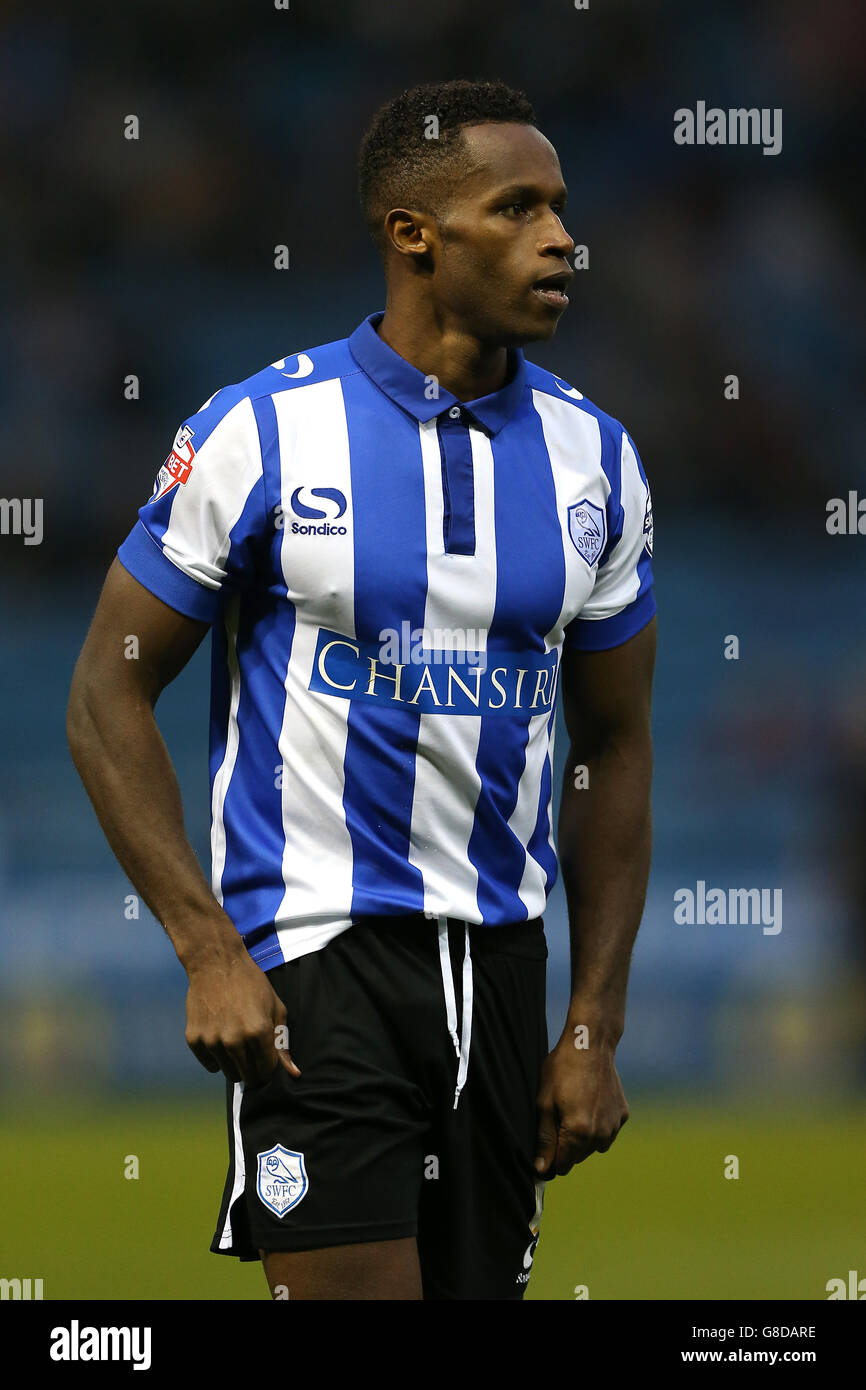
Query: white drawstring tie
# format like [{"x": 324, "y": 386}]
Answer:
[{"x": 461, "y": 1044}]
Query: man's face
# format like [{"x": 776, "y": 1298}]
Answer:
[{"x": 501, "y": 235}]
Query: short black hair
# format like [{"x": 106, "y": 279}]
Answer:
[{"x": 403, "y": 164}]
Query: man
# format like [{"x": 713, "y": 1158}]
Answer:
[{"x": 402, "y": 540}]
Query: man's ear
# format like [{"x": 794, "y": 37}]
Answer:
[{"x": 409, "y": 232}]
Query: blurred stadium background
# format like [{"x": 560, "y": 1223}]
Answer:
[{"x": 155, "y": 257}]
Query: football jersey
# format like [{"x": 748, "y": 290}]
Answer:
[{"x": 391, "y": 575}]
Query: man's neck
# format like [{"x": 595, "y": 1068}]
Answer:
[{"x": 461, "y": 365}]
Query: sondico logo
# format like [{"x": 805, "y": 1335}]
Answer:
[
  {"x": 523, "y": 1278},
  {"x": 316, "y": 504},
  {"x": 534, "y": 1231}
]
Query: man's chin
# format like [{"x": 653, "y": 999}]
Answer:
[
  {"x": 547, "y": 330},
  {"x": 535, "y": 330},
  {"x": 520, "y": 328}
]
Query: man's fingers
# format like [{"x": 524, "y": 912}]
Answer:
[
  {"x": 244, "y": 1051},
  {"x": 228, "y": 1063},
  {"x": 262, "y": 1055},
  {"x": 253, "y": 1061},
  {"x": 281, "y": 1038},
  {"x": 571, "y": 1151},
  {"x": 288, "y": 1062},
  {"x": 545, "y": 1144},
  {"x": 203, "y": 1054},
  {"x": 606, "y": 1140},
  {"x": 575, "y": 1145},
  {"x": 258, "y": 1058}
]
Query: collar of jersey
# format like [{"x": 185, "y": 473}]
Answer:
[{"x": 406, "y": 385}]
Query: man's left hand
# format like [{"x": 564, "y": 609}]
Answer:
[{"x": 581, "y": 1106}]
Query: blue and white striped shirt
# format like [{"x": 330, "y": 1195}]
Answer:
[{"x": 391, "y": 575}]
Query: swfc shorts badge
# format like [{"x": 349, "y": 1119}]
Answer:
[
  {"x": 588, "y": 529},
  {"x": 282, "y": 1179}
]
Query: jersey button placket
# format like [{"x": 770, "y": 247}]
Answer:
[{"x": 458, "y": 485}]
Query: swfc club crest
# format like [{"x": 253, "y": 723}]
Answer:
[
  {"x": 282, "y": 1179},
  {"x": 588, "y": 529}
]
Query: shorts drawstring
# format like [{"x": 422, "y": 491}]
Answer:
[{"x": 461, "y": 1043}]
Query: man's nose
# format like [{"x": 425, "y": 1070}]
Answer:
[{"x": 556, "y": 240}]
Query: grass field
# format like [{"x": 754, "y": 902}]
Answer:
[{"x": 653, "y": 1218}]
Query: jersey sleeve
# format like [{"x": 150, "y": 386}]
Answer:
[
  {"x": 621, "y": 601},
  {"x": 198, "y": 533}
]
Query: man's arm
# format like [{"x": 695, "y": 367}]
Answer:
[
  {"x": 605, "y": 840},
  {"x": 232, "y": 1010}
]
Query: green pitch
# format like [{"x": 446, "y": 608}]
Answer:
[{"x": 655, "y": 1217}]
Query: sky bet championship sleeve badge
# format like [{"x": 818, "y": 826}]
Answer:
[
  {"x": 282, "y": 1179},
  {"x": 177, "y": 466},
  {"x": 587, "y": 527},
  {"x": 648, "y": 524}
]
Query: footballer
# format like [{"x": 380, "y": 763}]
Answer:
[{"x": 405, "y": 544}]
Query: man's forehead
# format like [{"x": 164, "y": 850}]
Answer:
[{"x": 507, "y": 153}]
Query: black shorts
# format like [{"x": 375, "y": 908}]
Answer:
[{"x": 415, "y": 1114}]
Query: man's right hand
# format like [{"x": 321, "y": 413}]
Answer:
[
  {"x": 232, "y": 1012},
  {"x": 235, "y": 1022}
]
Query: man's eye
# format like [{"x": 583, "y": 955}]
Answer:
[{"x": 518, "y": 207}]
